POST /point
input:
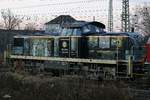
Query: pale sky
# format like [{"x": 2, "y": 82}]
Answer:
[
  {"x": 44, "y": 10},
  {"x": 6, "y": 3}
]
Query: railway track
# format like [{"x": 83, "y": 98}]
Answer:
[
  {"x": 139, "y": 94},
  {"x": 139, "y": 89}
]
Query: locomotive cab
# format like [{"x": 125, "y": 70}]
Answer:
[{"x": 73, "y": 40}]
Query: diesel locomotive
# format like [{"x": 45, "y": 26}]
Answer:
[{"x": 84, "y": 49}]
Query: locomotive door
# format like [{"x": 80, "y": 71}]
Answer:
[
  {"x": 50, "y": 47},
  {"x": 83, "y": 47},
  {"x": 74, "y": 47},
  {"x": 64, "y": 45}
]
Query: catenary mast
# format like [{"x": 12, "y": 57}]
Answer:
[
  {"x": 110, "y": 16},
  {"x": 125, "y": 16}
]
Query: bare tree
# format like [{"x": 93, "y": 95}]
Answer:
[
  {"x": 31, "y": 26},
  {"x": 11, "y": 21},
  {"x": 1, "y": 25},
  {"x": 142, "y": 21},
  {"x": 145, "y": 13}
]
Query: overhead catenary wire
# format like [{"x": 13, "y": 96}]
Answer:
[{"x": 53, "y": 4}]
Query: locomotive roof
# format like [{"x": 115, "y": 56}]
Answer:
[
  {"x": 61, "y": 19},
  {"x": 79, "y": 24},
  {"x": 131, "y": 34},
  {"x": 138, "y": 38}
]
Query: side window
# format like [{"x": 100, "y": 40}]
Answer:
[
  {"x": 116, "y": 42},
  {"x": 63, "y": 33},
  {"x": 97, "y": 29},
  {"x": 74, "y": 43},
  {"x": 104, "y": 42},
  {"x": 86, "y": 29},
  {"x": 18, "y": 41},
  {"x": 91, "y": 28},
  {"x": 76, "y": 32},
  {"x": 93, "y": 42},
  {"x": 66, "y": 32}
]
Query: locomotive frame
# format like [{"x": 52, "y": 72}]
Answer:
[{"x": 89, "y": 67}]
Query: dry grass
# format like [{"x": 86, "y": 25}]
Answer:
[{"x": 24, "y": 87}]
